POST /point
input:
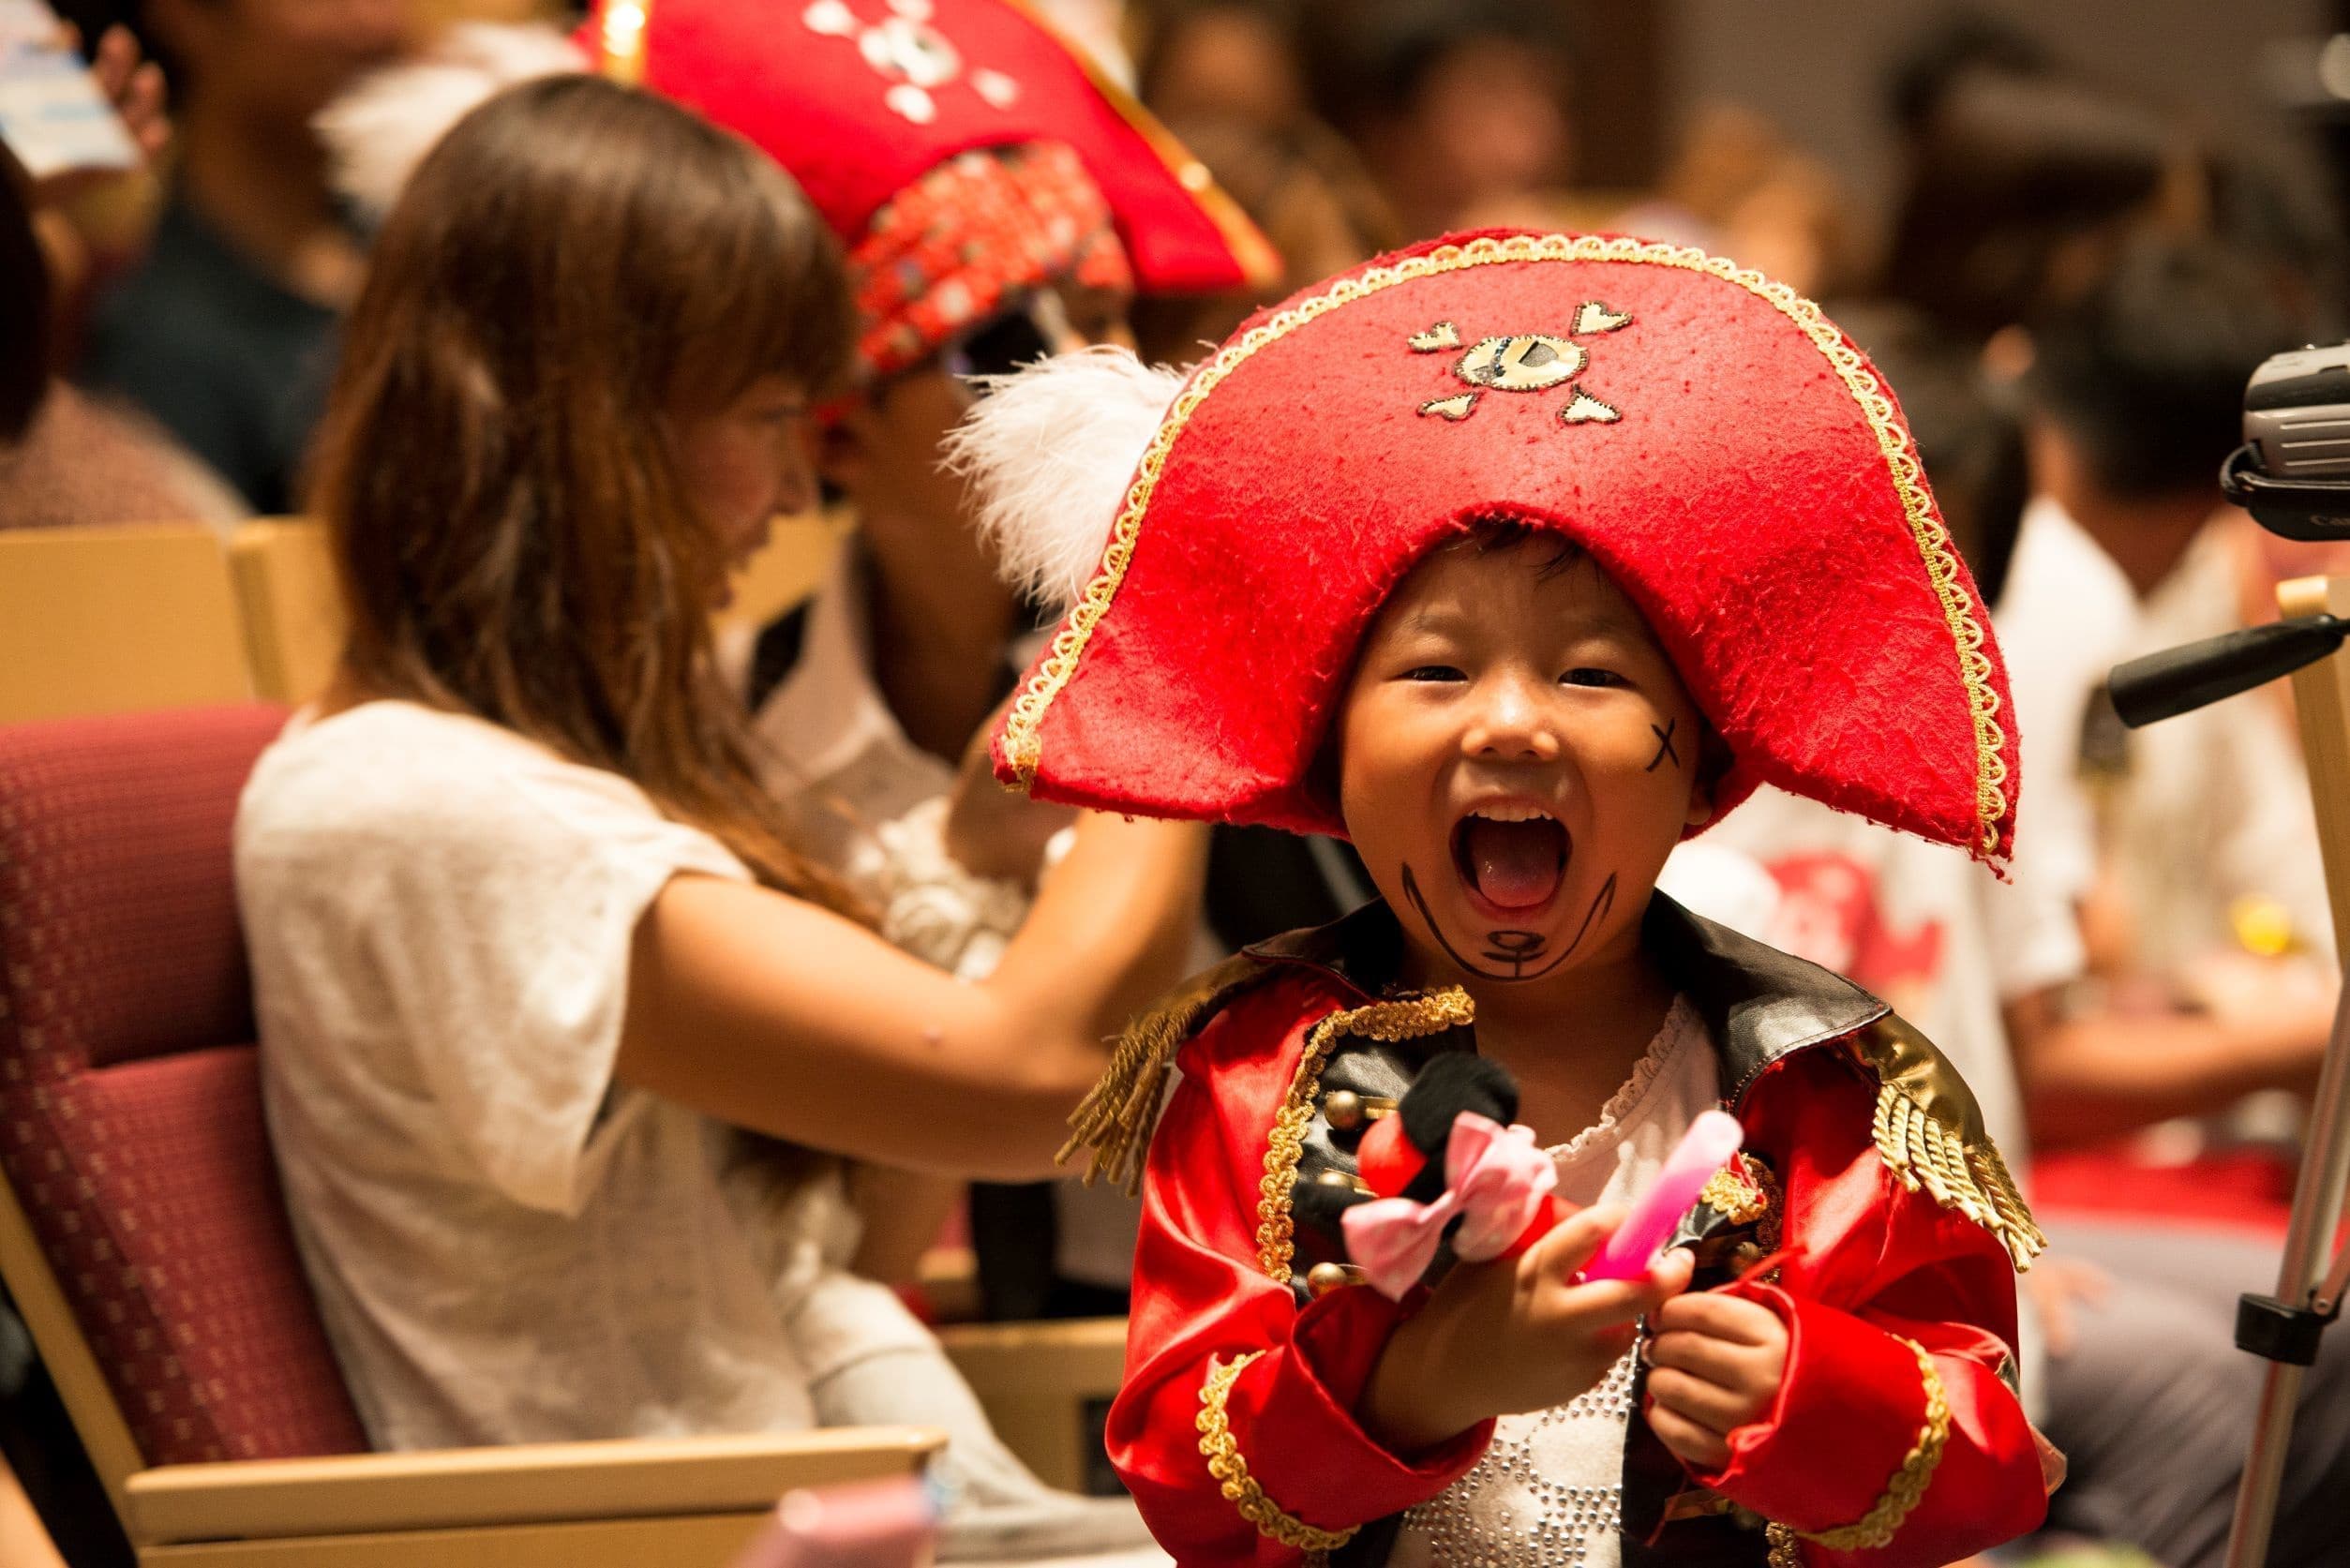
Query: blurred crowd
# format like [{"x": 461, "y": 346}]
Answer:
[{"x": 2068, "y": 292}]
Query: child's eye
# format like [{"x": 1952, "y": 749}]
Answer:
[
  {"x": 1433, "y": 672},
  {"x": 1586, "y": 675}
]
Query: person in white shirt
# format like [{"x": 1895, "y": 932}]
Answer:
[
  {"x": 532, "y": 947},
  {"x": 2129, "y": 1363},
  {"x": 2134, "y": 399}
]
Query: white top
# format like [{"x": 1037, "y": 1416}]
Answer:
[
  {"x": 836, "y": 756},
  {"x": 1549, "y": 1486},
  {"x": 507, "y": 1245},
  {"x": 869, "y": 805},
  {"x": 2215, "y": 804}
]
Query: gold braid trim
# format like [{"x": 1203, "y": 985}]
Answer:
[
  {"x": 1972, "y": 1179},
  {"x": 1408, "y": 1019},
  {"x": 1877, "y": 1526},
  {"x": 1226, "y": 1465},
  {"x": 1930, "y": 1133},
  {"x": 1115, "y": 1117},
  {"x": 1024, "y": 744},
  {"x": 1787, "y": 1551},
  {"x": 1735, "y": 1195}
]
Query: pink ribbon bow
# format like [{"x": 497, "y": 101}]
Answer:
[{"x": 1495, "y": 1180}]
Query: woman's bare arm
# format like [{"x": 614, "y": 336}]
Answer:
[
  {"x": 2104, "y": 1074},
  {"x": 772, "y": 1014}
]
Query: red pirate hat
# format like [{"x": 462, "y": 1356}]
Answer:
[
  {"x": 1711, "y": 440},
  {"x": 857, "y": 98}
]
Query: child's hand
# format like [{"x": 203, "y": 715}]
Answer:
[
  {"x": 1715, "y": 1365},
  {"x": 1512, "y": 1335}
]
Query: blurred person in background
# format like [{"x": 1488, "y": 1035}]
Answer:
[
  {"x": 1458, "y": 106},
  {"x": 1226, "y": 60},
  {"x": 1002, "y": 210},
  {"x": 2019, "y": 192},
  {"x": 1226, "y": 77},
  {"x": 224, "y": 332},
  {"x": 534, "y": 950},
  {"x": 2129, "y": 1363},
  {"x": 64, "y": 457},
  {"x": 2190, "y": 845},
  {"x": 1311, "y": 195},
  {"x": 1737, "y": 187}
]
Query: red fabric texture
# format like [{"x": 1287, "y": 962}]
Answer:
[
  {"x": 1867, "y": 1260},
  {"x": 1201, "y": 1294},
  {"x": 948, "y": 252},
  {"x": 130, "y": 1119},
  {"x": 859, "y": 97},
  {"x": 1742, "y": 495},
  {"x": 1869, "y": 1263},
  {"x": 2246, "y": 1190}
]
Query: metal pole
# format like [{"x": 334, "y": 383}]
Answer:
[{"x": 2308, "y": 1249}]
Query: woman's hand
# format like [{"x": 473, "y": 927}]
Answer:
[
  {"x": 1510, "y": 1336},
  {"x": 1715, "y": 1364},
  {"x": 995, "y": 831},
  {"x": 84, "y": 230}
]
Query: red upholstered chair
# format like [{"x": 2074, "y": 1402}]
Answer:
[{"x": 143, "y": 1233}]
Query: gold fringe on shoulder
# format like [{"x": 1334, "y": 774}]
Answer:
[
  {"x": 1930, "y": 1133},
  {"x": 1115, "y": 1118}
]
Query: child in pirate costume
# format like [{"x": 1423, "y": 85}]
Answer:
[{"x": 1518, "y": 558}]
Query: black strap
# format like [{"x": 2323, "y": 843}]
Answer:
[{"x": 776, "y": 654}]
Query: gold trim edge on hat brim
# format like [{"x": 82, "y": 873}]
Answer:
[
  {"x": 1023, "y": 742},
  {"x": 1260, "y": 263}
]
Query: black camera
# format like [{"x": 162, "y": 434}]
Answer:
[
  {"x": 2293, "y": 471},
  {"x": 2293, "y": 475}
]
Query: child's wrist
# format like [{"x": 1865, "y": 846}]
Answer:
[{"x": 1405, "y": 1408}]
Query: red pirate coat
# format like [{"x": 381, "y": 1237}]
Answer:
[{"x": 1895, "y": 1437}]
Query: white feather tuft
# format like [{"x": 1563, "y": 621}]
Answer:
[
  {"x": 1048, "y": 452},
  {"x": 378, "y": 132}
]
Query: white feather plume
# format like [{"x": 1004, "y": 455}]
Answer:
[
  {"x": 379, "y": 131},
  {"x": 1048, "y": 453}
]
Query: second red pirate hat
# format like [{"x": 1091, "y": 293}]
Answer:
[{"x": 859, "y": 97}]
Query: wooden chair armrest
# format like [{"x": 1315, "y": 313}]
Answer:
[
  {"x": 1074, "y": 1356},
  {"x": 1041, "y": 1384},
  {"x": 524, "y": 1483}
]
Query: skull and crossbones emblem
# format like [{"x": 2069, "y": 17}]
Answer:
[
  {"x": 1523, "y": 362},
  {"x": 913, "y": 56}
]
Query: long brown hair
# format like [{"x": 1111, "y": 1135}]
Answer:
[{"x": 575, "y": 264}]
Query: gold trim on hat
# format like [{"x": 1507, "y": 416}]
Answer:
[
  {"x": 1022, "y": 743},
  {"x": 1260, "y": 263},
  {"x": 620, "y": 37},
  {"x": 1407, "y": 1018}
]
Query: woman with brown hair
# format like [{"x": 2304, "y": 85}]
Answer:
[{"x": 529, "y": 941}]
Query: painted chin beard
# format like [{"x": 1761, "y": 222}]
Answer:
[{"x": 1509, "y": 954}]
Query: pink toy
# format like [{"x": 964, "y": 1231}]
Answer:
[
  {"x": 867, "y": 1524},
  {"x": 1704, "y": 1149}
]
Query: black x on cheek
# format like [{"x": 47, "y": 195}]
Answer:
[{"x": 1665, "y": 749}]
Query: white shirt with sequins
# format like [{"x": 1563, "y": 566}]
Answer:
[{"x": 1547, "y": 1490}]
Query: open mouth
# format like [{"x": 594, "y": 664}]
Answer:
[{"x": 1513, "y": 857}]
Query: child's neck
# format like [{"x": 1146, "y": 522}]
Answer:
[{"x": 1573, "y": 1038}]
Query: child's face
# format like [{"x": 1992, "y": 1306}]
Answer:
[{"x": 1517, "y": 759}]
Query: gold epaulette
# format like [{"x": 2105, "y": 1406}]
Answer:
[
  {"x": 1929, "y": 1131},
  {"x": 1115, "y": 1119}
]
